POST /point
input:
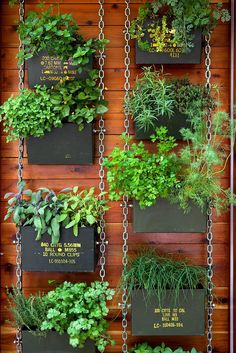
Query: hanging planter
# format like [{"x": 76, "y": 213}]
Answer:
[
  {"x": 51, "y": 343},
  {"x": 151, "y": 318},
  {"x": 145, "y": 347},
  {"x": 159, "y": 99},
  {"x": 170, "y": 32},
  {"x": 65, "y": 316},
  {"x": 164, "y": 217},
  {"x": 71, "y": 254},
  {"x": 66, "y": 145},
  {"x": 44, "y": 69}
]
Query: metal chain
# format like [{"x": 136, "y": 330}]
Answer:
[
  {"x": 101, "y": 136},
  {"x": 209, "y": 211},
  {"x": 18, "y": 340},
  {"x": 125, "y": 204}
]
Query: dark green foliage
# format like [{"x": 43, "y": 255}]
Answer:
[
  {"x": 35, "y": 112},
  {"x": 46, "y": 211},
  {"x": 76, "y": 309},
  {"x": 156, "y": 94},
  {"x": 145, "y": 348},
  {"x": 191, "y": 174},
  {"x": 58, "y": 34},
  {"x": 173, "y": 22},
  {"x": 156, "y": 274}
]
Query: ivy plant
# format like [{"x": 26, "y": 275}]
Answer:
[
  {"x": 189, "y": 174},
  {"x": 169, "y": 23},
  {"x": 35, "y": 112},
  {"x": 155, "y": 274},
  {"x": 47, "y": 211},
  {"x": 58, "y": 34},
  {"x": 146, "y": 348},
  {"x": 78, "y": 309},
  {"x": 156, "y": 94}
]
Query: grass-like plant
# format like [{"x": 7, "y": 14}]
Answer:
[
  {"x": 156, "y": 94},
  {"x": 47, "y": 211},
  {"x": 77, "y": 309},
  {"x": 189, "y": 174},
  {"x": 146, "y": 348},
  {"x": 35, "y": 112},
  {"x": 161, "y": 24},
  {"x": 155, "y": 274},
  {"x": 57, "y": 33}
]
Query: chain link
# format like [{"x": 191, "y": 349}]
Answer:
[
  {"x": 209, "y": 211},
  {"x": 101, "y": 136},
  {"x": 125, "y": 204}
]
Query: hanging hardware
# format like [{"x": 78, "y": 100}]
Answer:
[
  {"x": 101, "y": 136},
  {"x": 210, "y": 305},
  {"x": 125, "y": 201}
]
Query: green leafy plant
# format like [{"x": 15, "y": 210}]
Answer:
[
  {"x": 35, "y": 112},
  {"x": 162, "y": 24},
  {"x": 156, "y": 274},
  {"x": 47, "y": 211},
  {"x": 146, "y": 348},
  {"x": 76, "y": 309},
  {"x": 58, "y": 34},
  {"x": 189, "y": 174},
  {"x": 156, "y": 94}
]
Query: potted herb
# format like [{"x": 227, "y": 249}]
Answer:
[
  {"x": 58, "y": 230},
  {"x": 169, "y": 31},
  {"x": 165, "y": 295},
  {"x": 146, "y": 348},
  {"x": 171, "y": 188},
  {"x": 54, "y": 48},
  {"x": 69, "y": 318},
  {"x": 56, "y": 122},
  {"x": 160, "y": 100}
]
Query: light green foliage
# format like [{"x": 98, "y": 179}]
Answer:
[
  {"x": 192, "y": 174},
  {"x": 12, "y": 2},
  {"x": 156, "y": 274},
  {"x": 76, "y": 309},
  {"x": 156, "y": 94},
  {"x": 183, "y": 16},
  {"x": 58, "y": 34},
  {"x": 44, "y": 210},
  {"x": 142, "y": 175},
  {"x": 145, "y": 348},
  {"x": 35, "y": 112}
]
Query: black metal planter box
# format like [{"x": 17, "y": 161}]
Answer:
[
  {"x": 66, "y": 145},
  {"x": 52, "y": 343},
  {"x": 172, "y": 55},
  {"x": 71, "y": 254},
  {"x": 186, "y": 317},
  {"x": 164, "y": 217},
  {"x": 174, "y": 123},
  {"x": 44, "y": 69}
]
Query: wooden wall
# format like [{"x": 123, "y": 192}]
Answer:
[{"x": 57, "y": 177}]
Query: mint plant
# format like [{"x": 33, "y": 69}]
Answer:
[
  {"x": 47, "y": 211},
  {"x": 146, "y": 348},
  {"x": 78, "y": 309},
  {"x": 35, "y": 112}
]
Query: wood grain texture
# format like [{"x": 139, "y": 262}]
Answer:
[{"x": 192, "y": 246}]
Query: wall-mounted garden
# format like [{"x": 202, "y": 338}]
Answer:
[
  {"x": 171, "y": 32},
  {"x": 167, "y": 296},
  {"x": 188, "y": 176},
  {"x": 69, "y": 318},
  {"x": 59, "y": 231}
]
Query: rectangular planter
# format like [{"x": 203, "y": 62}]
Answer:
[
  {"x": 173, "y": 55},
  {"x": 52, "y": 343},
  {"x": 71, "y": 254},
  {"x": 164, "y": 217},
  {"x": 44, "y": 69},
  {"x": 174, "y": 123},
  {"x": 186, "y": 317},
  {"x": 66, "y": 145}
]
